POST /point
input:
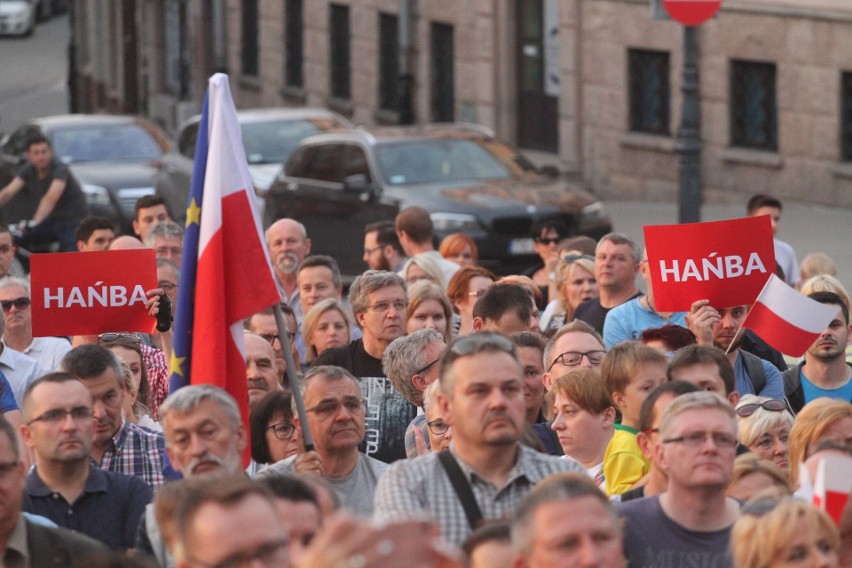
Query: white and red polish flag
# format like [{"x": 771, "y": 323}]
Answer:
[
  {"x": 833, "y": 484},
  {"x": 786, "y": 319}
]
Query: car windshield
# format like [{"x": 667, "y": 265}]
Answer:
[
  {"x": 105, "y": 143},
  {"x": 273, "y": 142},
  {"x": 440, "y": 160}
]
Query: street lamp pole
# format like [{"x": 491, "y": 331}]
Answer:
[{"x": 689, "y": 133}]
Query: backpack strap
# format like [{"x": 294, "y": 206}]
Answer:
[
  {"x": 754, "y": 368},
  {"x": 462, "y": 488}
]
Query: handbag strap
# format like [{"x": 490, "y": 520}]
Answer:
[{"x": 461, "y": 487}]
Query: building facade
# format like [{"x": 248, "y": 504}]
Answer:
[{"x": 595, "y": 83}]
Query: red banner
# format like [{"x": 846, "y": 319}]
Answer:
[
  {"x": 84, "y": 293},
  {"x": 727, "y": 262}
]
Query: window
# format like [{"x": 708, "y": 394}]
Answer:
[
  {"x": 341, "y": 82},
  {"x": 443, "y": 82},
  {"x": 388, "y": 62},
  {"x": 294, "y": 48},
  {"x": 648, "y": 76},
  {"x": 754, "y": 108},
  {"x": 249, "y": 53},
  {"x": 846, "y": 116}
]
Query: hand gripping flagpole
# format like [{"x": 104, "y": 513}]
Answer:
[{"x": 293, "y": 375}]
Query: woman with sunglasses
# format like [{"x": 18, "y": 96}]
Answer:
[
  {"x": 764, "y": 426},
  {"x": 575, "y": 283},
  {"x": 784, "y": 533},
  {"x": 274, "y": 435},
  {"x": 546, "y": 235}
]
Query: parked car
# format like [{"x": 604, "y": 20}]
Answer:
[
  {"x": 17, "y": 17},
  {"x": 468, "y": 179},
  {"x": 113, "y": 157},
  {"x": 269, "y": 137}
]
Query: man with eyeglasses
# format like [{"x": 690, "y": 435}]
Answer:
[
  {"x": 263, "y": 324},
  {"x": 411, "y": 363},
  {"x": 24, "y": 543},
  {"x": 15, "y": 300},
  {"x": 382, "y": 250},
  {"x": 486, "y": 472},
  {"x": 336, "y": 412},
  {"x": 118, "y": 445},
  {"x": 691, "y": 522},
  {"x": 20, "y": 370},
  {"x": 379, "y": 302},
  {"x": 166, "y": 238},
  {"x": 168, "y": 278},
  {"x": 261, "y": 369},
  {"x": 64, "y": 485}
]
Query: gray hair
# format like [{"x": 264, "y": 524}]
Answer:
[
  {"x": 188, "y": 398},
  {"x": 163, "y": 229},
  {"x": 694, "y": 401},
  {"x": 621, "y": 239},
  {"x": 328, "y": 373},
  {"x": 369, "y": 282},
  {"x": 8, "y": 281},
  {"x": 404, "y": 356},
  {"x": 166, "y": 263}
]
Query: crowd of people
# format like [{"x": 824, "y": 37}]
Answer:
[{"x": 451, "y": 416}]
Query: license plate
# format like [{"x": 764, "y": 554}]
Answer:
[{"x": 521, "y": 246}]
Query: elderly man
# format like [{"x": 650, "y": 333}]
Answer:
[
  {"x": 693, "y": 518},
  {"x": 20, "y": 370},
  {"x": 379, "y": 302},
  {"x": 288, "y": 245},
  {"x": 263, "y": 324},
  {"x": 616, "y": 266},
  {"x": 411, "y": 363},
  {"x": 15, "y": 300},
  {"x": 119, "y": 445},
  {"x": 261, "y": 369},
  {"x": 64, "y": 485},
  {"x": 486, "y": 472},
  {"x": 94, "y": 234},
  {"x": 166, "y": 238},
  {"x": 544, "y": 536},
  {"x": 205, "y": 436},
  {"x": 168, "y": 278},
  {"x": 22, "y": 541},
  {"x": 336, "y": 415}
]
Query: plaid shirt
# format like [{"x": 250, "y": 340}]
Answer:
[
  {"x": 158, "y": 377},
  {"x": 136, "y": 451},
  {"x": 419, "y": 487}
]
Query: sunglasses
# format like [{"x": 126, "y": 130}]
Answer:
[
  {"x": 569, "y": 258},
  {"x": 546, "y": 241},
  {"x": 110, "y": 337},
  {"x": 773, "y": 405},
  {"x": 21, "y": 303}
]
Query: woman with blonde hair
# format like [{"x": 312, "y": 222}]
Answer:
[
  {"x": 429, "y": 306},
  {"x": 821, "y": 419},
  {"x": 575, "y": 283},
  {"x": 423, "y": 267},
  {"x": 459, "y": 248},
  {"x": 753, "y": 475},
  {"x": 326, "y": 325},
  {"x": 764, "y": 428},
  {"x": 779, "y": 533},
  {"x": 825, "y": 283}
]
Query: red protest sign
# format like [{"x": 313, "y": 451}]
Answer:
[
  {"x": 727, "y": 262},
  {"x": 692, "y": 12},
  {"x": 83, "y": 293}
]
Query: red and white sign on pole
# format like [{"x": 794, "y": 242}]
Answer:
[{"x": 692, "y": 12}]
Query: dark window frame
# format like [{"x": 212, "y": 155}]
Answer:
[
  {"x": 846, "y": 116},
  {"x": 442, "y": 59},
  {"x": 754, "y": 105},
  {"x": 649, "y": 91},
  {"x": 388, "y": 62},
  {"x": 294, "y": 44},
  {"x": 340, "y": 60},
  {"x": 249, "y": 41}
]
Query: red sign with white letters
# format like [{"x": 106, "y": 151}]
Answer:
[
  {"x": 692, "y": 12},
  {"x": 85, "y": 293},
  {"x": 727, "y": 262}
]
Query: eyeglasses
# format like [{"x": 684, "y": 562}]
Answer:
[
  {"x": 438, "y": 427},
  {"x": 569, "y": 258},
  {"x": 282, "y": 430},
  {"x": 166, "y": 286},
  {"x": 696, "y": 440},
  {"x": 423, "y": 369},
  {"x": 761, "y": 506},
  {"x": 773, "y": 405},
  {"x": 78, "y": 414},
  {"x": 325, "y": 410},
  {"x": 383, "y": 307},
  {"x": 368, "y": 252},
  {"x": 110, "y": 337},
  {"x": 546, "y": 241},
  {"x": 574, "y": 358},
  {"x": 272, "y": 553},
  {"x": 271, "y": 338},
  {"x": 21, "y": 303},
  {"x": 8, "y": 467},
  {"x": 163, "y": 251}
]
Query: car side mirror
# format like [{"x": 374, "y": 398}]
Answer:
[{"x": 360, "y": 185}]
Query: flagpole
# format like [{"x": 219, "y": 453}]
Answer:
[{"x": 292, "y": 373}]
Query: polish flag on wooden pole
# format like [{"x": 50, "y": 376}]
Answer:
[{"x": 786, "y": 319}]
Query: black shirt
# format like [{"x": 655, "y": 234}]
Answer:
[
  {"x": 594, "y": 314},
  {"x": 72, "y": 203}
]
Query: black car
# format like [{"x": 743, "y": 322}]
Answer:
[
  {"x": 113, "y": 157},
  {"x": 269, "y": 137},
  {"x": 470, "y": 181}
]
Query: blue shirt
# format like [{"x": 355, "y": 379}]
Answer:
[
  {"x": 774, "y": 387},
  {"x": 628, "y": 320},
  {"x": 811, "y": 391},
  {"x": 108, "y": 509},
  {"x": 7, "y": 397}
]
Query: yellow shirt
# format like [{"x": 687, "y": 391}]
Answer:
[{"x": 623, "y": 463}]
